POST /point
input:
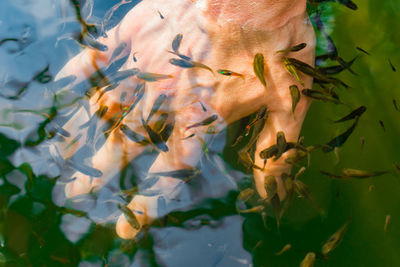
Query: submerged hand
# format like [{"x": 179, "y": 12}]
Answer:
[{"x": 218, "y": 35}]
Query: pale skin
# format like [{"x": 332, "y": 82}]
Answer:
[{"x": 222, "y": 35}]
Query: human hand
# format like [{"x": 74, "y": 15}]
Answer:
[{"x": 221, "y": 35}]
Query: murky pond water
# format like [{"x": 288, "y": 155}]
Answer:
[{"x": 110, "y": 158}]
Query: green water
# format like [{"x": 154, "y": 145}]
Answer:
[
  {"x": 30, "y": 233},
  {"x": 372, "y": 27}
]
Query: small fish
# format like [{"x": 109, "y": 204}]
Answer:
[
  {"x": 353, "y": 173},
  {"x": 160, "y": 123},
  {"x": 40, "y": 239},
  {"x": 259, "y": 243},
  {"x": 135, "y": 137},
  {"x": 155, "y": 138},
  {"x": 352, "y": 115},
  {"x": 319, "y": 95},
  {"x": 188, "y": 64},
  {"x": 148, "y": 183},
  {"x": 281, "y": 144},
  {"x": 293, "y": 49},
  {"x": 269, "y": 152},
  {"x": 156, "y": 106},
  {"x": 336, "y": 151},
  {"x": 334, "y": 240},
  {"x": 117, "y": 51},
  {"x": 229, "y": 73},
  {"x": 258, "y": 66},
  {"x": 161, "y": 16},
  {"x": 382, "y": 125},
  {"x": 89, "y": 171},
  {"x": 300, "y": 140},
  {"x": 303, "y": 190},
  {"x": 276, "y": 205},
  {"x": 114, "y": 66},
  {"x": 77, "y": 213},
  {"x": 92, "y": 123},
  {"x": 299, "y": 172},
  {"x": 137, "y": 96},
  {"x": 340, "y": 139},
  {"x": 203, "y": 107},
  {"x": 129, "y": 192},
  {"x": 244, "y": 155},
  {"x": 130, "y": 217},
  {"x": 61, "y": 260},
  {"x": 387, "y": 220},
  {"x": 289, "y": 187},
  {"x": 309, "y": 260},
  {"x": 391, "y": 65},
  {"x": 271, "y": 187},
  {"x": 134, "y": 57},
  {"x": 122, "y": 75},
  {"x": 284, "y": 249},
  {"x": 261, "y": 115},
  {"x": 245, "y": 194},
  {"x": 176, "y": 43},
  {"x": 295, "y": 64},
  {"x": 395, "y": 105},
  {"x": 258, "y": 125},
  {"x": 91, "y": 43},
  {"x": 167, "y": 131},
  {"x": 258, "y": 208},
  {"x": 362, "y": 50},
  {"x": 187, "y": 137},
  {"x": 153, "y": 77},
  {"x": 331, "y": 70},
  {"x": 246, "y": 159},
  {"x": 180, "y": 174},
  {"x": 348, "y": 3},
  {"x": 69, "y": 181},
  {"x": 292, "y": 70},
  {"x": 205, "y": 122},
  {"x": 237, "y": 141},
  {"x": 183, "y": 63},
  {"x": 295, "y": 94},
  {"x": 180, "y": 55},
  {"x": 62, "y": 83},
  {"x": 371, "y": 188},
  {"x": 347, "y": 65},
  {"x": 273, "y": 150},
  {"x": 331, "y": 175}
]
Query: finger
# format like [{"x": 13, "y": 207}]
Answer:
[
  {"x": 120, "y": 147},
  {"x": 182, "y": 153},
  {"x": 281, "y": 117},
  {"x": 147, "y": 209},
  {"x": 101, "y": 135},
  {"x": 117, "y": 152},
  {"x": 277, "y": 122}
]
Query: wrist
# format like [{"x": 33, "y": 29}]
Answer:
[{"x": 256, "y": 14}]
